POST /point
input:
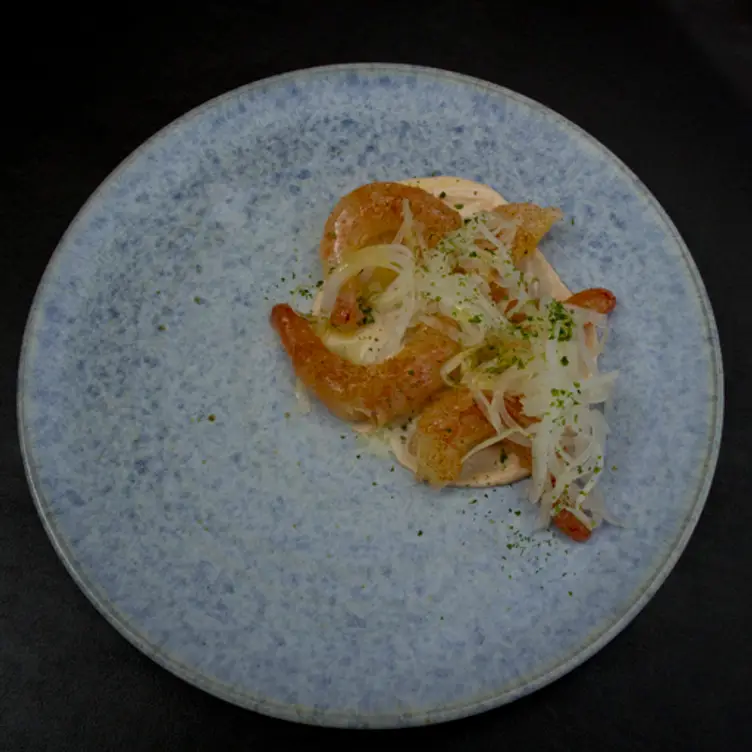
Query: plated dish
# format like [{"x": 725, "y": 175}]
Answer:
[{"x": 270, "y": 556}]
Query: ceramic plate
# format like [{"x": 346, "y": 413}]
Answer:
[{"x": 258, "y": 552}]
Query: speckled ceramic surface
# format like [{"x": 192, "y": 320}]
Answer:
[{"x": 254, "y": 554}]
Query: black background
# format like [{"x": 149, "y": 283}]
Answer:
[{"x": 666, "y": 86}]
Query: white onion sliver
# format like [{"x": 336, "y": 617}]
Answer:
[
  {"x": 407, "y": 223},
  {"x": 491, "y": 415},
  {"x": 485, "y": 444},
  {"x": 435, "y": 323},
  {"x": 598, "y": 388},
  {"x": 397, "y": 257},
  {"x": 454, "y": 363}
]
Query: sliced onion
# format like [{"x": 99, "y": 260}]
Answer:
[
  {"x": 406, "y": 227},
  {"x": 485, "y": 444},
  {"x": 393, "y": 256},
  {"x": 598, "y": 388},
  {"x": 491, "y": 415},
  {"x": 450, "y": 331},
  {"x": 454, "y": 363}
]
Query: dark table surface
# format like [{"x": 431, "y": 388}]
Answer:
[{"x": 667, "y": 86}]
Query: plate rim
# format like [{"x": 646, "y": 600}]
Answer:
[{"x": 337, "y": 718}]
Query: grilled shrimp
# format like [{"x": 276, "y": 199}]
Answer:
[
  {"x": 379, "y": 393},
  {"x": 447, "y": 429},
  {"x": 595, "y": 299},
  {"x": 450, "y": 426},
  {"x": 533, "y": 223},
  {"x": 370, "y": 215}
]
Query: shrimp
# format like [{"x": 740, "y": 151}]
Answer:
[
  {"x": 380, "y": 393},
  {"x": 572, "y": 526},
  {"x": 347, "y": 312},
  {"x": 370, "y": 215},
  {"x": 595, "y": 299},
  {"x": 533, "y": 222},
  {"x": 498, "y": 293},
  {"x": 449, "y": 427}
]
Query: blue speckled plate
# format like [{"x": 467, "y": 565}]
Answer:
[{"x": 243, "y": 545}]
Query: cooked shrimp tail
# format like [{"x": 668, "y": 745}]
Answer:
[
  {"x": 594, "y": 299},
  {"x": 572, "y": 526}
]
